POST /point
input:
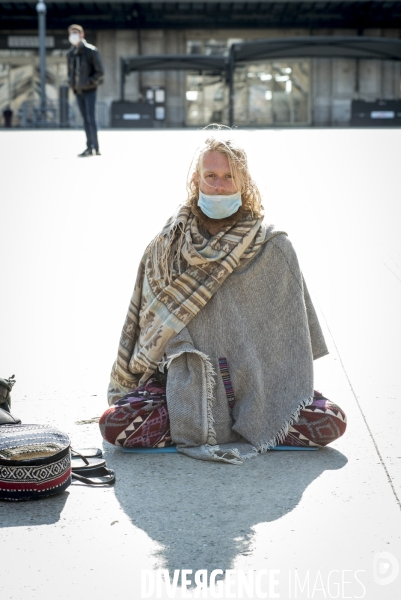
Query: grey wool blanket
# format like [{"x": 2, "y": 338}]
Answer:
[
  {"x": 231, "y": 319},
  {"x": 252, "y": 344},
  {"x": 179, "y": 273}
]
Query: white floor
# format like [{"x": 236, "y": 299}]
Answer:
[{"x": 322, "y": 524}]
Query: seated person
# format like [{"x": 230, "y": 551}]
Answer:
[{"x": 221, "y": 307}]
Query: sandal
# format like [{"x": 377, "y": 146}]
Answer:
[
  {"x": 87, "y": 452},
  {"x": 88, "y": 467},
  {"x": 96, "y": 476},
  {"x": 82, "y": 464}
]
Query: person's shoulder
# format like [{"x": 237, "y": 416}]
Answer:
[
  {"x": 274, "y": 235},
  {"x": 280, "y": 240},
  {"x": 89, "y": 47}
]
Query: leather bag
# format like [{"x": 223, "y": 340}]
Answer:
[{"x": 6, "y": 385}]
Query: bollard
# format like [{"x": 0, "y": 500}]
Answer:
[{"x": 63, "y": 106}]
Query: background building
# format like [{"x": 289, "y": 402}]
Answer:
[{"x": 275, "y": 92}]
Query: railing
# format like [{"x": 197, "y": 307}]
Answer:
[{"x": 31, "y": 115}]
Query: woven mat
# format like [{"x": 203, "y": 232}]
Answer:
[{"x": 174, "y": 449}]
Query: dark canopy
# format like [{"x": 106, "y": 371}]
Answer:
[
  {"x": 175, "y": 62},
  {"x": 319, "y": 46}
]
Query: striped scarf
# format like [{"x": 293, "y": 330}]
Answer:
[{"x": 179, "y": 272}]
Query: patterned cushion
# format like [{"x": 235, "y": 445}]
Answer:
[{"x": 35, "y": 462}]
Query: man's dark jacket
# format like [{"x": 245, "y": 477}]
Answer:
[{"x": 85, "y": 68}]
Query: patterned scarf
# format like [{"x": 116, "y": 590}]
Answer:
[{"x": 179, "y": 272}]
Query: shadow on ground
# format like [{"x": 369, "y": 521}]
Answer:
[
  {"x": 202, "y": 513},
  {"x": 45, "y": 511}
]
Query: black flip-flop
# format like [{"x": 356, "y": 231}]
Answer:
[
  {"x": 96, "y": 476},
  {"x": 83, "y": 464},
  {"x": 87, "y": 452}
]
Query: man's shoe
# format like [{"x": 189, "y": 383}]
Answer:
[
  {"x": 98, "y": 153},
  {"x": 88, "y": 152}
]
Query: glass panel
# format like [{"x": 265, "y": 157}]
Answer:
[
  {"x": 207, "y": 95},
  {"x": 206, "y": 100},
  {"x": 272, "y": 93},
  {"x": 269, "y": 93}
]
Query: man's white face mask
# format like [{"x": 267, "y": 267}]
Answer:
[
  {"x": 74, "y": 39},
  {"x": 219, "y": 206}
]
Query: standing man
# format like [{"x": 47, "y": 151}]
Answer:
[{"x": 85, "y": 73}]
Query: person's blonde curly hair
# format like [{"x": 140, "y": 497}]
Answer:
[{"x": 237, "y": 159}]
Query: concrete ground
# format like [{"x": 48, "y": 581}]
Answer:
[{"x": 322, "y": 524}]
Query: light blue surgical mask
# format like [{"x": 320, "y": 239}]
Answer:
[{"x": 219, "y": 207}]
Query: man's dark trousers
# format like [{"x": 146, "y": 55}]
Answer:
[{"x": 86, "y": 102}]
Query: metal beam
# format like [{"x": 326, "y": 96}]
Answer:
[{"x": 41, "y": 10}]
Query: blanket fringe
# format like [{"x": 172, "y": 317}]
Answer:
[
  {"x": 283, "y": 431},
  {"x": 231, "y": 456},
  {"x": 250, "y": 454},
  {"x": 165, "y": 251}
]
